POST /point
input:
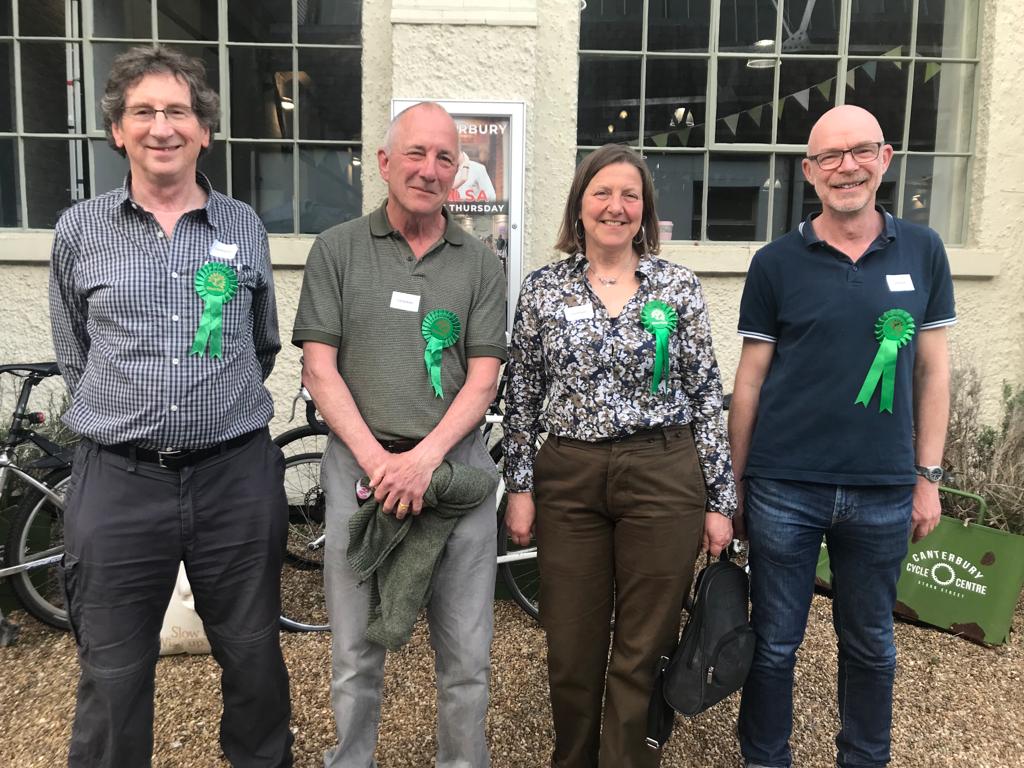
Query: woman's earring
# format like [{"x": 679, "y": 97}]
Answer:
[
  {"x": 643, "y": 238},
  {"x": 580, "y": 234}
]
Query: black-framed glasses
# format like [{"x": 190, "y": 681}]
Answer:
[
  {"x": 831, "y": 159},
  {"x": 144, "y": 114}
]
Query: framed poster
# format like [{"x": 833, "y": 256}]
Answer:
[{"x": 487, "y": 197}]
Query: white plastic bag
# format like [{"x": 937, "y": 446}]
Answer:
[{"x": 182, "y": 631}]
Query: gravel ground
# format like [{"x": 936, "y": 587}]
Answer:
[{"x": 957, "y": 704}]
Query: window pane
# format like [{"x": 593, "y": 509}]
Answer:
[
  {"x": 612, "y": 26},
  {"x": 48, "y": 165},
  {"x": 810, "y": 27},
  {"x": 261, "y": 175},
  {"x": 948, "y": 28},
  {"x": 44, "y": 91},
  {"x": 879, "y": 26},
  {"x": 214, "y": 164},
  {"x": 6, "y": 20},
  {"x": 260, "y": 21},
  {"x": 210, "y": 58},
  {"x": 743, "y": 25},
  {"x": 262, "y": 102},
  {"x": 331, "y": 21},
  {"x": 807, "y": 88},
  {"x": 330, "y": 187},
  {"x": 880, "y": 86},
  {"x": 678, "y": 181},
  {"x": 109, "y": 167},
  {"x": 794, "y": 198},
  {"x": 126, "y": 18},
  {"x": 41, "y": 18},
  {"x": 608, "y": 87},
  {"x": 329, "y": 93},
  {"x": 10, "y": 206},
  {"x": 942, "y": 112},
  {"x": 936, "y": 194},
  {"x": 6, "y": 87},
  {"x": 675, "y": 108},
  {"x": 187, "y": 19},
  {"x": 745, "y": 109},
  {"x": 678, "y": 25},
  {"x": 103, "y": 55},
  {"x": 738, "y": 197}
]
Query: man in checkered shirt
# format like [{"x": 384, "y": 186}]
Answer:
[{"x": 164, "y": 324}]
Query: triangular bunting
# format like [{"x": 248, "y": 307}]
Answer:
[
  {"x": 870, "y": 68},
  {"x": 894, "y": 52},
  {"x": 825, "y": 89},
  {"x": 803, "y": 97},
  {"x": 931, "y": 69},
  {"x": 731, "y": 121},
  {"x": 660, "y": 139},
  {"x": 755, "y": 114},
  {"x": 779, "y": 106},
  {"x": 850, "y": 78}
]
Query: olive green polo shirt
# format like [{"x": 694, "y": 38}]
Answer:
[{"x": 366, "y": 294}]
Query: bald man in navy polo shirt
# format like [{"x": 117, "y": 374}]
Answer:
[{"x": 837, "y": 426}]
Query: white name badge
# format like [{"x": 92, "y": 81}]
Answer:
[
  {"x": 581, "y": 312},
  {"x": 899, "y": 282},
  {"x": 221, "y": 250},
  {"x": 407, "y": 302}
]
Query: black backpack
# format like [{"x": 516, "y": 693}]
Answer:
[{"x": 714, "y": 651}]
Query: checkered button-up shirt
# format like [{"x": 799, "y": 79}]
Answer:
[{"x": 125, "y": 311}]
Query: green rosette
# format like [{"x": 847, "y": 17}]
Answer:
[
  {"x": 660, "y": 319},
  {"x": 893, "y": 329},
  {"x": 216, "y": 285},
  {"x": 441, "y": 329}
]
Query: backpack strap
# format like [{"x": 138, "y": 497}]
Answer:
[{"x": 660, "y": 715}]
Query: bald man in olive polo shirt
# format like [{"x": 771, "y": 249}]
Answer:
[{"x": 379, "y": 292}]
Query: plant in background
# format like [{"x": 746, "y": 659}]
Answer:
[{"x": 984, "y": 459}]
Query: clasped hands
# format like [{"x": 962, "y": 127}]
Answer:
[{"x": 399, "y": 480}]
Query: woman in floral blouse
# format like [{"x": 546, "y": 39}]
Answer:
[{"x": 611, "y": 356}]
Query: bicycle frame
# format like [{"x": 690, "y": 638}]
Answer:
[{"x": 49, "y": 557}]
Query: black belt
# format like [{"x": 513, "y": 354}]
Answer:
[
  {"x": 401, "y": 445},
  {"x": 176, "y": 459}
]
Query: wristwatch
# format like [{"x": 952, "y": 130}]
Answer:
[{"x": 932, "y": 474}]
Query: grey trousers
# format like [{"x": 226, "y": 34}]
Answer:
[
  {"x": 460, "y": 617},
  {"x": 127, "y": 526}
]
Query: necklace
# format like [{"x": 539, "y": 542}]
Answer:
[{"x": 607, "y": 280}]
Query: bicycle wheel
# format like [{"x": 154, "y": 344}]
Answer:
[
  {"x": 37, "y": 531},
  {"x": 518, "y": 565},
  {"x": 303, "y": 607},
  {"x": 301, "y": 440}
]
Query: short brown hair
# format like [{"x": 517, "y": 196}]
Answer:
[
  {"x": 569, "y": 239},
  {"x": 135, "y": 63}
]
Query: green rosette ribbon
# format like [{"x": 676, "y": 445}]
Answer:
[
  {"x": 893, "y": 329},
  {"x": 441, "y": 329},
  {"x": 216, "y": 284},
  {"x": 660, "y": 319}
]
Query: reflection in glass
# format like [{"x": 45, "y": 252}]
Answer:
[
  {"x": 6, "y": 86},
  {"x": 747, "y": 26},
  {"x": 948, "y": 28},
  {"x": 612, "y": 26},
  {"x": 880, "y": 86},
  {"x": 330, "y": 21},
  {"x": 126, "y": 18},
  {"x": 936, "y": 194},
  {"x": 259, "y": 21},
  {"x": 261, "y": 97},
  {"x": 48, "y": 165},
  {"x": 745, "y": 109},
  {"x": 44, "y": 91},
  {"x": 678, "y": 25},
  {"x": 10, "y": 204},
  {"x": 678, "y": 180},
  {"x": 807, "y": 87},
  {"x": 810, "y": 26},
  {"x": 330, "y": 187},
  {"x": 187, "y": 19},
  {"x": 607, "y": 107},
  {"x": 941, "y": 116},
  {"x": 879, "y": 27},
  {"x": 737, "y": 197},
  {"x": 109, "y": 168},
  {"x": 329, "y": 99},
  {"x": 675, "y": 107},
  {"x": 41, "y": 19},
  {"x": 261, "y": 175}
]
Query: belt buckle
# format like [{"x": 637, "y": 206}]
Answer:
[{"x": 163, "y": 456}]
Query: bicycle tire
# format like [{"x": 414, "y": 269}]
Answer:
[
  {"x": 37, "y": 530},
  {"x": 301, "y": 440},
  {"x": 303, "y": 605},
  {"x": 521, "y": 577}
]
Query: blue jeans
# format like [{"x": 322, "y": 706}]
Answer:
[{"x": 866, "y": 529}]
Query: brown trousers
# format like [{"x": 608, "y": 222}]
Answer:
[{"x": 619, "y": 525}]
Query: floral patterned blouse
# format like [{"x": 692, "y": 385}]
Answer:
[{"x": 576, "y": 372}]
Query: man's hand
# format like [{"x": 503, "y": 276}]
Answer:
[
  {"x": 400, "y": 481},
  {"x": 717, "y": 533},
  {"x": 519, "y": 517},
  {"x": 926, "y": 509}
]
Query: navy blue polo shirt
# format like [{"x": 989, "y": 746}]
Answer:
[{"x": 819, "y": 308}]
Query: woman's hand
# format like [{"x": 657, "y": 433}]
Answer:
[
  {"x": 519, "y": 516},
  {"x": 717, "y": 533}
]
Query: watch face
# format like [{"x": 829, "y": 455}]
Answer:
[{"x": 930, "y": 473}]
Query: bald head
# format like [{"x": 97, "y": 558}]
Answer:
[
  {"x": 410, "y": 115},
  {"x": 843, "y": 126}
]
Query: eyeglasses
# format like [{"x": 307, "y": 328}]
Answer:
[
  {"x": 833, "y": 158},
  {"x": 174, "y": 114}
]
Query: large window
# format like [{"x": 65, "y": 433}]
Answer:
[
  {"x": 720, "y": 95},
  {"x": 289, "y": 76}
]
